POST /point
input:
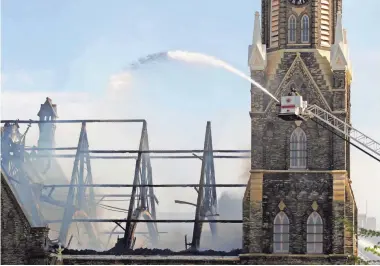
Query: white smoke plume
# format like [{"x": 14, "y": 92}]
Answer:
[
  {"x": 120, "y": 81},
  {"x": 167, "y": 130}
]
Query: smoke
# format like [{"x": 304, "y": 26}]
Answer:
[
  {"x": 120, "y": 81},
  {"x": 168, "y": 128},
  {"x": 184, "y": 134},
  {"x": 245, "y": 172}
]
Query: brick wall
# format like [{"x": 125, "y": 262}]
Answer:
[{"x": 20, "y": 243}]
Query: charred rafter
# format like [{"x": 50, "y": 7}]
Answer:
[
  {"x": 13, "y": 166},
  {"x": 80, "y": 199},
  {"x": 142, "y": 201},
  {"x": 151, "y": 185},
  {"x": 207, "y": 201},
  {"x": 145, "y": 206}
]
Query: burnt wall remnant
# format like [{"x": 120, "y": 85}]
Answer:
[{"x": 21, "y": 241}]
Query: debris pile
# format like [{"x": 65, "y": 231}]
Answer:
[{"x": 152, "y": 252}]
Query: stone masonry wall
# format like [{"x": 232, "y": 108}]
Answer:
[
  {"x": 350, "y": 241},
  {"x": 320, "y": 182},
  {"x": 20, "y": 243},
  {"x": 271, "y": 135},
  {"x": 297, "y": 191},
  {"x": 253, "y": 214},
  {"x": 285, "y": 259}
]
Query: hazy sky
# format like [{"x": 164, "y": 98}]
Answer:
[{"x": 68, "y": 50}]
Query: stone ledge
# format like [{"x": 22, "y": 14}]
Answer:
[
  {"x": 299, "y": 171},
  {"x": 317, "y": 256},
  {"x": 148, "y": 257},
  {"x": 298, "y": 259}
]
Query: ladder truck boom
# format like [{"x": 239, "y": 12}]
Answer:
[
  {"x": 293, "y": 108},
  {"x": 346, "y": 129}
]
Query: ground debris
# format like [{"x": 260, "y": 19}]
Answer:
[{"x": 152, "y": 252}]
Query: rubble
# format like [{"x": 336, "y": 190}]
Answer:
[{"x": 147, "y": 252}]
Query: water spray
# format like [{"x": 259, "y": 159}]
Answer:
[
  {"x": 209, "y": 60},
  {"x": 195, "y": 58}
]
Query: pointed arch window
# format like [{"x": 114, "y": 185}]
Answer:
[
  {"x": 281, "y": 233},
  {"x": 298, "y": 149},
  {"x": 314, "y": 233},
  {"x": 292, "y": 26},
  {"x": 305, "y": 33}
]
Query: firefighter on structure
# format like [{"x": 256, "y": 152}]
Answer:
[{"x": 293, "y": 92}]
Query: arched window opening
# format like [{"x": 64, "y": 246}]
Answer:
[
  {"x": 281, "y": 233},
  {"x": 298, "y": 149},
  {"x": 292, "y": 29},
  {"x": 305, "y": 29},
  {"x": 314, "y": 233}
]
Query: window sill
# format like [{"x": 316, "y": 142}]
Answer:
[{"x": 298, "y": 44}]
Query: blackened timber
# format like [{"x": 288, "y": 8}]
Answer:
[
  {"x": 150, "y": 185},
  {"x": 92, "y": 203},
  {"x": 151, "y": 196},
  {"x": 197, "y": 225},
  {"x": 128, "y": 228},
  {"x": 142, "y": 151},
  {"x": 185, "y": 202},
  {"x": 75, "y": 121},
  {"x": 78, "y": 201},
  {"x": 146, "y": 221},
  {"x": 152, "y": 157},
  {"x": 118, "y": 224},
  {"x": 122, "y": 233},
  {"x": 69, "y": 210}
]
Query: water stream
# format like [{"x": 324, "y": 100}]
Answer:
[{"x": 195, "y": 58}]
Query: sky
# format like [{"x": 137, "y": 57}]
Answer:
[{"x": 70, "y": 50}]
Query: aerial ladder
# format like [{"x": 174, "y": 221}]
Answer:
[{"x": 293, "y": 108}]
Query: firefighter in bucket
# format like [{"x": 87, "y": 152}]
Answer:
[
  {"x": 292, "y": 106},
  {"x": 293, "y": 92}
]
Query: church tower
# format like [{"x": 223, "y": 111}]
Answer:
[
  {"x": 299, "y": 199},
  {"x": 47, "y": 112}
]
